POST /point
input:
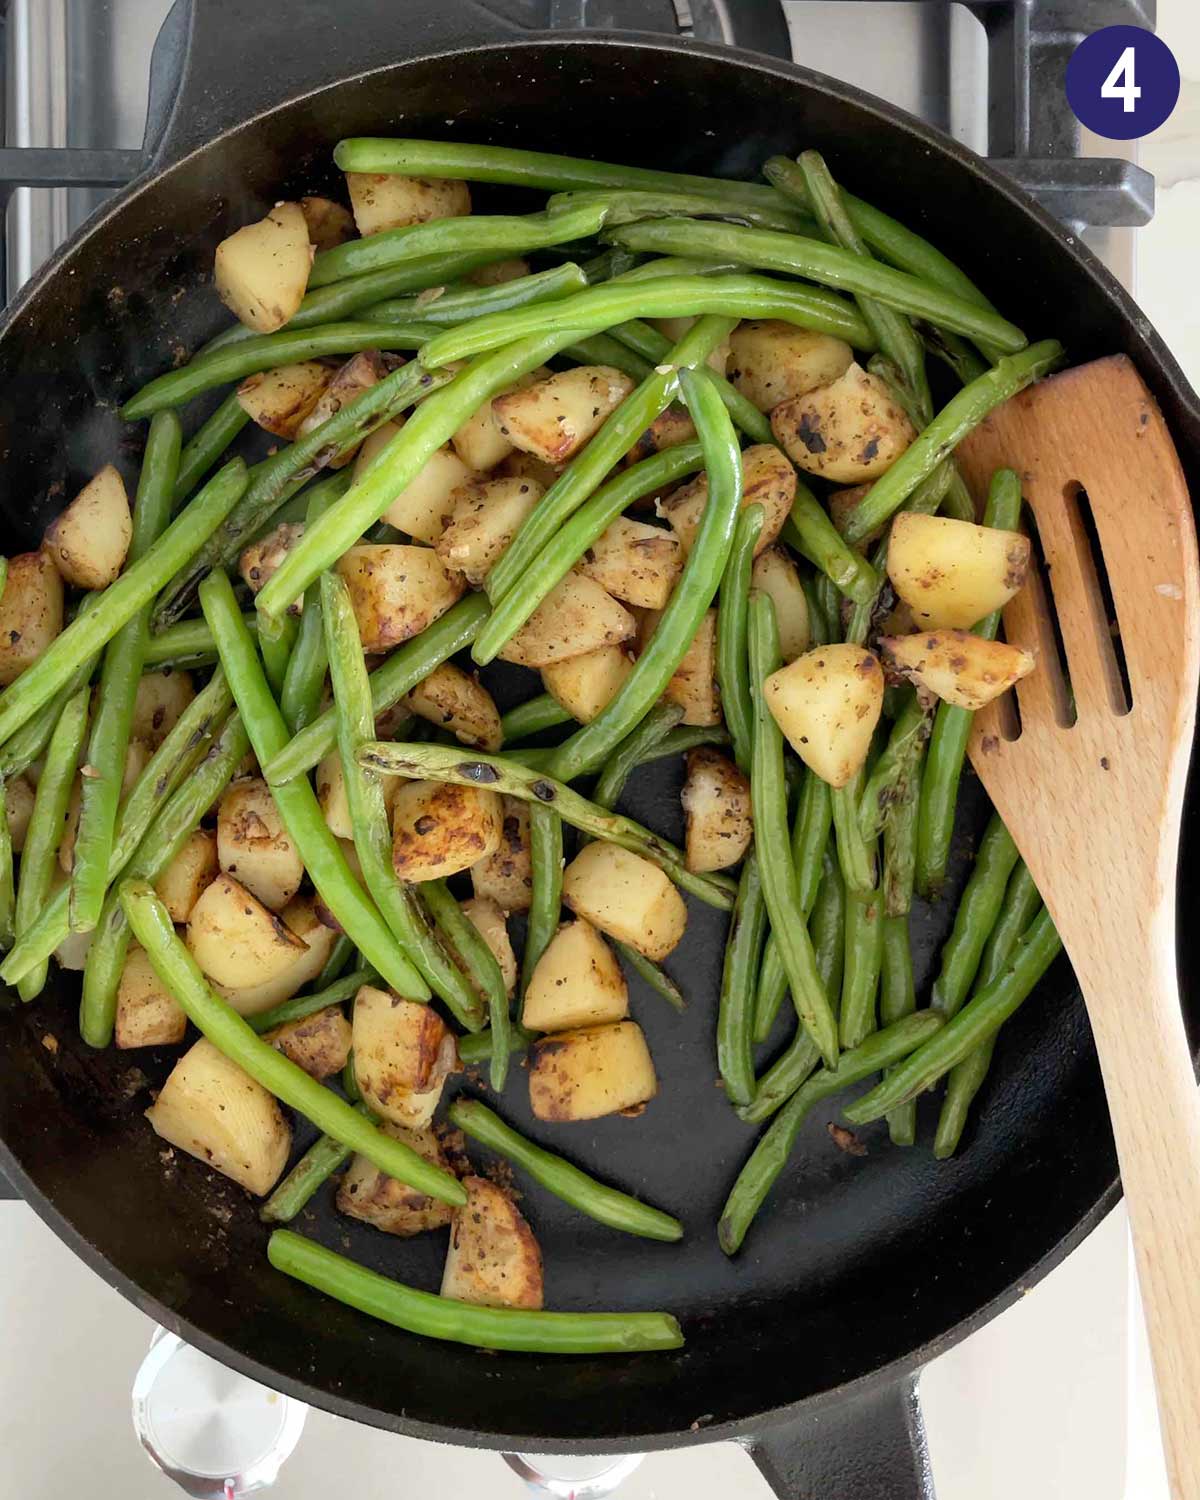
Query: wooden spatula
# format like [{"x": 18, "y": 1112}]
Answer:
[{"x": 1092, "y": 790}]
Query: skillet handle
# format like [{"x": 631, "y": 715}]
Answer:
[
  {"x": 868, "y": 1447},
  {"x": 219, "y": 62}
]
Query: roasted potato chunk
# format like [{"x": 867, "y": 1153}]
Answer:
[
  {"x": 423, "y": 508},
  {"x": 953, "y": 573},
  {"x": 320, "y": 1043},
  {"x": 694, "y": 682},
  {"x": 586, "y": 684},
  {"x": 842, "y": 505},
  {"x": 484, "y": 518},
  {"x": 478, "y": 441},
  {"x": 775, "y": 574},
  {"x": 493, "y": 1258},
  {"x": 253, "y": 845},
  {"x": 556, "y": 417},
  {"x": 770, "y": 361},
  {"x": 303, "y": 918},
  {"x": 161, "y": 698},
  {"x": 668, "y": 430},
  {"x": 958, "y": 667},
  {"x": 148, "y": 1015},
  {"x": 397, "y": 591},
  {"x": 261, "y": 270},
  {"x": 486, "y": 917},
  {"x": 716, "y": 806},
  {"x": 236, "y": 940},
  {"x": 575, "y": 617},
  {"x": 828, "y": 702},
  {"x": 260, "y": 559},
  {"x": 627, "y": 897},
  {"x": 357, "y": 375},
  {"x": 518, "y": 465},
  {"x": 18, "y": 809},
  {"x": 454, "y": 700},
  {"x": 439, "y": 829},
  {"x": 506, "y": 876},
  {"x": 188, "y": 875},
  {"x": 383, "y": 201},
  {"x": 327, "y": 222},
  {"x": 403, "y": 1054},
  {"x": 368, "y": 1194},
  {"x": 90, "y": 539},
  {"x": 594, "y": 1071},
  {"x": 637, "y": 563},
  {"x": 850, "y": 431},
  {"x": 576, "y": 982},
  {"x": 214, "y": 1111},
  {"x": 767, "y": 480},
  {"x": 279, "y": 400},
  {"x": 31, "y": 612}
]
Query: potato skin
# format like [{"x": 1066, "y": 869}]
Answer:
[
  {"x": 18, "y": 809},
  {"x": 260, "y": 560},
  {"x": 236, "y": 940},
  {"x": 161, "y": 699},
  {"x": 387, "y": 1204},
  {"x": 771, "y": 361},
  {"x": 383, "y": 201},
  {"x": 279, "y": 400},
  {"x": 182, "y": 883},
  {"x": 403, "y": 1053},
  {"x": 454, "y": 700},
  {"x": 148, "y": 1015},
  {"x": 576, "y": 617},
  {"x": 693, "y": 684},
  {"x": 850, "y": 431},
  {"x": 590, "y": 1072},
  {"x": 485, "y": 515},
  {"x": 397, "y": 591},
  {"x": 302, "y": 916},
  {"x": 827, "y": 703},
  {"x": 424, "y": 506},
  {"x": 320, "y": 1043},
  {"x": 492, "y": 1259},
  {"x": 357, "y": 375},
  {"x": 554, "y": 418},
  {"x": 768, "y": 479},
  {"x": 506, "y": 876},
  {"x": 585, "y": 684},
  {"x": 439, "y": 829},
  {"x": 963, "y": 669},
  {"x": 576, "y": 982},
  {"x": 636, "y": 563},
  {"x": 626, "y": 897},
  {"x": 327, "y": 222},
  {"x": 487, "y": 918},
  {"x": 716, "y": 805},
  {"x": 775, "y": 573},
  {"x": 261, "y": 270},
  {"x": 89, "y": 541},
  {"x": 254, "y": 846},
  {"x": 953, "y": 573},
  {"x": 31, "y": 612}
]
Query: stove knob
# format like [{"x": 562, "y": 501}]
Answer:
[
  {"x": 217, "y": 1434},
  {"x": 570, "y": 1477}
]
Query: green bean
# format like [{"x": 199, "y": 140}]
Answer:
[
  {"x": 433, "y": 423},
  {"x": 899, "y": 845},
  {"x": 955, "y": 353},
  {"x": 860, "y": 974},
  {"x": 961, "y": 414},
  {"x": 181, "y": 750},
  {"x": 188, "y": 644},
  {"x": 810, "y": 531},
  {"x": 632, "y": 752},
  {"x": 976, "y": 916},
  {"x": 39, "y": 857},
  {"x": 236, "y": 1039},
  {"x": 976, "y": 1023},
  {"x": 390, "y": 681},
  {"x": 8, "y": 895},
  {"x": 397, "y": 903},
  {"x": 460, "y": 767},
  {"x": 200, "y": 452},
  {"x": 590, "y": 745},
  {"x": 769, "y": 801},
  {"x": 654, "y": 975},
  {"x": 629, "y": 205},
  {"x": 316, "y": 1166},
  {"x": 829, "y": 265},
  {"x": 770, "y": 1155},
  {"x": 300, "y": 1007},
  {"x": 3, "y": 574},
  {"x": 342, "y": 952},
  {"x": 732, "y": 608},
  {"x": 28, "y": 744},
  {"x": 893, "y": 332},
  {"x": 558, "y": 551},
  {"x": 602, "y": 349},
  {"x": 604, "y": 1204},
  {"x": 897, "y": 999},
  {"x": 667, "y": 265},
  {"x": 304, "y": 676},
  {"x": 952, "y": 726},
  {"x": 546, "y": 869},
  {"x": 479, "y": 966},
  {"x": 461, "y": 1322},
  {"x": 534, "y": 716},
  {"x": 855, "y": 853},
  {"x": 119, "y": 675},
  {"x": 267, "y": 351},
  {"x": 686, "y": 737},
  {"x": 158, "y": 846},
  {"x": 524, "y": 560},
  {"x": 1021, "y": 903},
  {"x": 456, "y": 304},
  {"x": 511, "y": 234},
  {"x": 600, "y": 307},
  {"x": 810, "y": 837},
  {"x": 296, "y": 801},
  {"x": 91, "y": 631},
  {"x": 477, "y": 1046},
  {"x": 273, "y": 479},
  {"x": 275, "y": 644},
  {"x": 735, "y": 1012},
  {"x": 905, "y": 746}
]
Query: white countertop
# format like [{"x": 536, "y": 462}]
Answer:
[{"x": 1051, "y": 1401}]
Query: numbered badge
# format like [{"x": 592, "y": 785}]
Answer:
[{"x": 1122, "y": 82}]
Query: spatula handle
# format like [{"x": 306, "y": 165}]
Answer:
[{"x": 1133, "y": 998}]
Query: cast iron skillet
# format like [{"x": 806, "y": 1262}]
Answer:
[{"x": 860, "y": 1269}]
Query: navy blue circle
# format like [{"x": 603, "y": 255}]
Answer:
[{"x": 1103, "y": 62}]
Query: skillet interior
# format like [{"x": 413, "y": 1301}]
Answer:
[{"x": 856, "y": 1263}]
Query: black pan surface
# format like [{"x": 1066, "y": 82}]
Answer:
[{"x": 858, "y": 1265}]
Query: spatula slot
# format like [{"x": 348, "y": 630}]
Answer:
[
  {"x": 1031, "y": 621},
  {"x": 1098, "y": 597}
]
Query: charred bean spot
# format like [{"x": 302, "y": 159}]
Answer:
[
  {"x": 543, "y": 791},
  {"x": 478, "y": 772}
]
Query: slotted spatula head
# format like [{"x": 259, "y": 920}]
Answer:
[{"x": 1091, "y": 785}]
